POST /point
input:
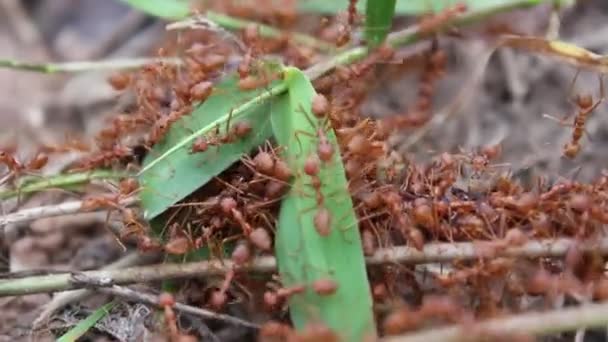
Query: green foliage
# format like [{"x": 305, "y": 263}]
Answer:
[
  {"x": 168, "y": 9},
  {"x": 378, "y": 20},
  {"x": 303, "y": 255},
  {"x": 170, "y": 172},
  {"x": 86, "y": 324},
  {"x": 404, "y": 7}
]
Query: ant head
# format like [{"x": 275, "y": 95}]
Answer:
[{"x": 584, "y": 101}]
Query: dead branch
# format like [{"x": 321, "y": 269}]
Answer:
[
  {"x": 587, "y": 316},
  {"x": 432, "y": 253},
  {"x": 137, "y": 296},
  {"x": 66, "y": 208}
]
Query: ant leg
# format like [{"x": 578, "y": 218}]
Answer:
[
  {"x": 107, "y": 227},
  {"x": 595, "y": 105},
  {"x": 298, "y": 132},
  {"x": 562, "y": 122},
  {"x": 600, "y": 79},
  {"x": 571, "y": 87},
  {"x": 228, "y": 121},
  {"x": 344, "y": 230},
  {"x": 307, "y": 116}
]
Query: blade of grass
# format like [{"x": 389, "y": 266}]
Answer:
[
  {"x": 168, "y": 9},
  {"x": 86, "y": 324},
  {"x": 303, "y": 255},
  {"x": 378, "y": 20},
  {"x": 170, "y": 172}
]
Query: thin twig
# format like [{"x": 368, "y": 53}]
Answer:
[
  {"x": 110, "y": 64},
  {"x": 66, "y": 208},
  {"x": 431, "y": 253},
  {"x": 64, "y": 298},
  {"x": 130, "y": 294},
  {"x": 545, "y": 323}
]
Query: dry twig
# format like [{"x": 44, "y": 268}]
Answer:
[
  {"x": 130, "y": 294},
  {"x": 66, "y": 208},
  {"x": 587, "y": 316},
  {"x": 432, "y": 253}
]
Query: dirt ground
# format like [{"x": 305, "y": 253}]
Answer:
[{"x": 507, "y": 107}]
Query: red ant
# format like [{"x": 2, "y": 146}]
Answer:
[
  {"x": 269, "y": 168},
  {"x": 275, "y": 331},
  {"x": 322, "y": 218},
  {"x": 325, "y": 149},
  {"x": 383, "y": 54},
  {"x": 259, "y": 237},
  {"x": 16, "y": 168},
  {"x": 166, "y": 301},
  {"x": 325, "y": 286},
  {"x": 106, "y": 158},
  {"x": 127, "y": 187},
  {"x": 434, "y": 22},
  {"x": 239, "y": 130},
  {"x": 72, "y": 144},
  {"x": 119, "y": 81},
  {"x": 586, "y": 106}
]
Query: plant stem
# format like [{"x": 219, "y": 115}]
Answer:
[
  {"x": 431, "y": 253},
  {"x": 130, "y": 294},
  {"x": 545, "y": 323},
  {"x": 66, "y": 208},
  {"x": 232, "y": 23},
  {"x": 58, "y": 181},
  {"x": 112, "y": 64}
]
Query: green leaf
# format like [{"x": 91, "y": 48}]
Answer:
[
  {"x": 303, "y": 255},
  {"x": 86, "y": 324},
  {"x": 170, "y": 172},
  {"x": 168, "y": 9},
  {"x": 378, "y": 20},
  {"x": 406, "y": 7}
]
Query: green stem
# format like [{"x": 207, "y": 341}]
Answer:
[
  {"x": 112, "y": 64},
  {"x": 59, "y": 181},
  {"x": 231, "y": 23}
]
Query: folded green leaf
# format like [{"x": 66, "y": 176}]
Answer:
[
  {"x": 378, "y": 20},
  {"x": 303, "y": 255},
  {"x": 168, "y": 9},
  {"x": 170, "y": 172}
]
